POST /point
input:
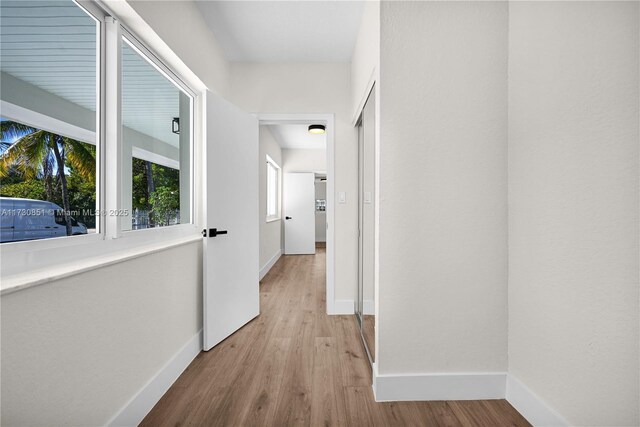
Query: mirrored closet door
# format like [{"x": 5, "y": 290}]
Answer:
[{"x": 365, "y": 309}]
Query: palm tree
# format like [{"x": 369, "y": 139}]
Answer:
[{"x": 40, "y": 154}]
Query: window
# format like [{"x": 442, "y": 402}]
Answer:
[
  {"x": 156, "y": 129},
  {"x": 273, "y": 190},
  {"x": 47, "y": 120},
  {"x": 83, "y": 152}
]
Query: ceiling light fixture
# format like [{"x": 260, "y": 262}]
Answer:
[{"x": 316, "y": 129}]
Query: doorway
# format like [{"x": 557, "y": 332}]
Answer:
[{"x": 313, "y": 177}]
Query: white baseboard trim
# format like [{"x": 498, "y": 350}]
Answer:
[
  {"x": 446, "y": 386},
  {"x": 139, "y": 406},
  {"x": 265, "y": 269},
  {"x": 534, "y": 409},
  {"x": 368, "y": 307},
  {"x": 343, "y": 306}
]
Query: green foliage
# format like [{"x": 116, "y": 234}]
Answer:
[
  {"x": 165, "y": 202},
  {"x": 30, "y": 189},
  {"x": 82, "y": 198},
  {"x": 28, "y": 169},
  {"x": 140, "y": 196},
  {"x": 166, "y": 177}
]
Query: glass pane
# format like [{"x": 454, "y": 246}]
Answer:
[
  {"x": 272, "y": 190},
  {"x": 48, "y": 119},
  {"x": 156, "y": 118}
]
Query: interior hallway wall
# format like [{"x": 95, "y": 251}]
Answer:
[
  {"x": 300, "y": 160},
  {"x": 573, "y": 207},
  {"x": 270, "y": 232},
  {"x": 74, "y": 351},
  {"x": 180, "y": 24},
  {"x": 313, "y": 88},
  {"x": 365, "y": 64},
  {"x": 442, "y": 302}
]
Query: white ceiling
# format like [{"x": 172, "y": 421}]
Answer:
[
  {"x": 52, "y": 45},
  {"x": 297, "y": 136},
  {"x": 284, "y": 31}
]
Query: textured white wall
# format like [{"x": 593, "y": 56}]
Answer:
[
  {"x": 75, "y": 351},
  {"x": 573, "y": 207},
  {"x": 366, "y": 55},
  {"x": 270, "y": 232},
  {"x": 300, "y": 160},
  {"x": 442, "y": 303},
  {"x": 181, "y": 26},
  {"x": 312, "y": 88}
]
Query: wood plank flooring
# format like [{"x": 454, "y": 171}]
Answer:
[{"x": 295, "y": 366}]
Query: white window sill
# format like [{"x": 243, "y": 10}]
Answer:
[
  {"x": 272, "y": 219},
  {"x": 30, "y": 279}
]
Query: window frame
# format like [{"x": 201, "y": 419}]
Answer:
[
  {"x": 35, "y": 262},
  {"x": 149, "y": 56},
  {"x": 52, "y": 243},
  {"x": 278, "y": 215}
]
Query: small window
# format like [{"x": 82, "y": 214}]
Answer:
[{"x": 273, "y": 190}]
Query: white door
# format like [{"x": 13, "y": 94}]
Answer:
[
  {"x": 299, "y": 206},
  {"x": 231, "y": 294}
]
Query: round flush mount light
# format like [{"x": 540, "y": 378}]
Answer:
[{"x": 316, "y": 129}]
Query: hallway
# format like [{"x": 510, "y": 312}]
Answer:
[{"x": 294, "y": 365}]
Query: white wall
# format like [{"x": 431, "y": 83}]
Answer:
[
  {"x": 573, "y": 207},
  {"x": 321, "y": 217},
  {"x": 301, "y": 160},
  {"x": 312, "y": 88},
  {"x": 366, "y": 56},
  {"x": 75, "y": 351},
  {"x": 181, "y": 26},
  {"x": 270, "y": 232},
  {"x": 442, "y": 303}
]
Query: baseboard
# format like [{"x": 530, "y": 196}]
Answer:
[
  {"x": 264, "y": 270},
  {"x": 534, "y": 409},
  {"x": 343, "y": 306},
  {"x": 447, "y": 386},
  {"x": 139, "y": 406},
  {"x": 368, "y": 307}
]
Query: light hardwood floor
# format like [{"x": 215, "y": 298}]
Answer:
[{"x": 295, "y": 366}]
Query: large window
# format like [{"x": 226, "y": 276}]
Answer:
[
  {"x": 273, "y": 190},
  {"x": 83, "y": 152},
  {"x": 156, "y": 120},
  {"x": 48, "y": 64}
]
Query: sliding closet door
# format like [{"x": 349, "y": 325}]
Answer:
[{"x": 366, "y": 212}]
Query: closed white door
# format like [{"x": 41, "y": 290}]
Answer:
[
  {"x": 298, "y": 195},
  {"x": 231, "y": 292}
]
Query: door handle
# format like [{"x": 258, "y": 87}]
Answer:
[
  {"x": 213, "y": 232},
  {"x": 287, "y": 217}
]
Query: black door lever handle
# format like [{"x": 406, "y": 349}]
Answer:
[
  {"x": 287, "y": 217},
  {"x": 213, "y": 232}
]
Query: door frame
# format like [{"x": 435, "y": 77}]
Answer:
[{"x": 329, "y": 121}]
